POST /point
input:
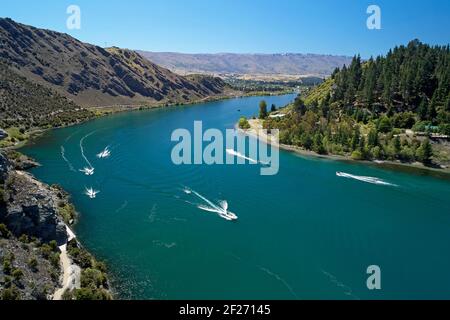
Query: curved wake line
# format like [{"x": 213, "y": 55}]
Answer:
[
  {"x": 240, "y": 155},
  {"x": 221, "y": 210},
  {"x": 82, "y": 148},
  {"x": 347, "y": 290},
  {"x": 63, "y": 155},
  {"x": 276, "y": 276},
  {"x": 371, "y": 180},
  {"x": 123, "y": 206}
]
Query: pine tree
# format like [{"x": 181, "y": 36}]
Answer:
[{"x": 262, "y": 109}]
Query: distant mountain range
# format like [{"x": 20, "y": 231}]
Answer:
[
  {"x": 92, "y": 76},
  {"x": 249, "y": 64}
]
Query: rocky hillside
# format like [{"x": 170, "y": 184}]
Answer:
[
  {"x": 249, "y": 64},
  {"x": 91, "y": 75},
  {"x": 36, "y": 255},
  {"x": 27, "y": 104}
]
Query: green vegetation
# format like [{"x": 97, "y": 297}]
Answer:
[
  {"x": 50, "y": 252},
  {"x": 66, "y": 211},
  {"x": 262, "y": 109},
  {"x": 10, "y": 294},
  {"x": 363, "y": 110},
  {"x": 32, "y": 263},
  {"x": 4, "y": 232},
  {"x": 94, "y": 284},
  {"x": 243, "y": 123}
]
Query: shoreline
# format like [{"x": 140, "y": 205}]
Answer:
[
  {"x": 410, "y": 168},
  {"x": 104, "y": 111},
  {"x": 71, "y": 277}
]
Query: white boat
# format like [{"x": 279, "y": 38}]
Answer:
[
  {"x": 88, "y": 171},
  {"x": 227, "y": 215},
  {"x": 230, "y": 216},
  {"x": 104, "y": 154},
  {"x": 343, "y": 174},
  {"x": 91, "y": 193}
]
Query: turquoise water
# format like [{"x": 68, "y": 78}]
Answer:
[{"x": 302, "y": 234}]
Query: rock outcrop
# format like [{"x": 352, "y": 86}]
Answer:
[
  {"x": 4, "y": 166},
  {"x": 3, "y": 134},
  {"x": 32, "y": 209}
]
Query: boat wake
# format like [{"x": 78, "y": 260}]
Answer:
[
  {"x": 346, "y": 289},
  {"x": 240, "y": 155},
  {"x": 221, "y": 208},
  {"x": 91, "y": 168},
  {"x": 63, "y": 155},
  {"x": 104, "y": 154},
  {"x": 277, "y": 277},
  {"x": 91, "y": 193},
  {"x": 372, "y": 180},
  {"x": 88, "y": 171}
]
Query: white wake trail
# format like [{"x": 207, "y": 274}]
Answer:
[
  {"x": 82, "y": 149},
  {"x": 372, "y": 180},
  {"x": 63, "y": 155},
  {"x": 240, "y": 155},
  {"x": 221, "y": 210}
]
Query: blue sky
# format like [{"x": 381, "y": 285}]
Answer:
[{"x": 242, "y": 26}]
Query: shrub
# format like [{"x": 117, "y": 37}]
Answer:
[
  {"x": 92, "y": 278},
  {"x": 33, "y": 263},
  {"x": 357, "y": 155},
  {"x": 4, "y": 232},
  {"x": 80, "y": 256},
  {"x": 91, "y": 294},
  {"x": 10, "y": 294},
  {"x": 243, "y": 123},
  {"x": 24, "y": 238},
  {"x": 17, "y": 274},
  {"x": 7, "y": 266}
]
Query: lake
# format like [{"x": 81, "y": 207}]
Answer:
[{"x": 304, "y": 233}]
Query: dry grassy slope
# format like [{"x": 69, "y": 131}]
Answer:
[
  {"x": 27, "y": 104},
  {"x": 91, "y": 75}
]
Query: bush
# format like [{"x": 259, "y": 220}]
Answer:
[
  {"x": 376, "y": 153},
  {"x": 24, "y": 238},
  {"x": 33, "y": 263},
  {"x": 4, "y": 232},
  {"x": 445, "y": 129},
  {"x": 93, "y": 278},
  {"x": 384, "y": 125},
  {"x": 17, "y": 274},
  {"x": 10, "y": 294},
  {"x": 357, "y": 155},
  {"x": 7, "y": 266},
  {"x": 48, "y": 252},
  {"x": 80, "y": 256},
  {"x": 243, "y": 123},
  {"x": 89, "y": 294}
]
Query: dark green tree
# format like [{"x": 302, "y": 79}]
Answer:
[{"x": 262, "y": 109}]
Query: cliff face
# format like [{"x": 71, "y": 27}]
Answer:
[
  {"x": 30, "y": 231},
  {"x": 32, "y": 209},
  {"x": 37, "y": 261}
]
